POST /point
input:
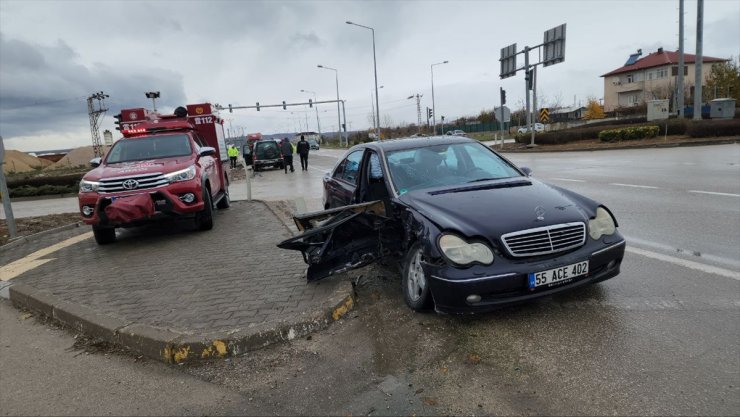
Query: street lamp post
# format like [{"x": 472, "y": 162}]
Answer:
[
  {"x": 372, "y": 109},
  {"x": 154, "y": 95},
  {"x": 318, "y": 124},
  {"x": 375, "y": 69},
  {"x": 434, "y": 110},
  {"x": 339, "y": 117}
]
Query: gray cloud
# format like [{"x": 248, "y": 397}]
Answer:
[{"x": 44, "y": 88}]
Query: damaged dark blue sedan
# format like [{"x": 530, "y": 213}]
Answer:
[{"x": 472, "y": 231}]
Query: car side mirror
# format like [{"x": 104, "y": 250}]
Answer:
[
  {"x": 95, "y": 162},
  {"x": 526, "y": 171},
  {"x": 207, "y": 150}
]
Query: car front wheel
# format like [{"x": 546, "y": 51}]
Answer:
[
  {"x": 104, "y": 235},
  {"x": 204, "y": 218},
  {"x": 414, "y": 282}
]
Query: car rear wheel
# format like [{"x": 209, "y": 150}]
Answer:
[
  {"x": 204, "y": 219},
  {"x": 414, "y": 282},
  {"x": 104, "y": 235}
]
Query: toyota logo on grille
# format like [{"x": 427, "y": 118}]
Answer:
[{"x": 130, "y": 184}]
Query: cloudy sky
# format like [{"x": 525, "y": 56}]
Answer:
[{"x": 53, "y": 54}]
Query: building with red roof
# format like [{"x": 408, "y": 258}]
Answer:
[{"x": 651, "y": 77}]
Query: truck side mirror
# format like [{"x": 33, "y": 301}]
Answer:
[
  {"x": 95, "y": 162},
  {"x": 207, "y": 150}
]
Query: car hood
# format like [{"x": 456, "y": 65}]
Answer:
[
  {"x": 132, "y": 168},
  {"x": 495, "y": 208}
]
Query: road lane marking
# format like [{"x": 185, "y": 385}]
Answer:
[
  {"x": 634, "y": 185},
  {"x": 685, "y": 263},
  {"x": 714, "y": 193},
  {"x": 568, "y": 179},
  {"x": 32, "y": 261},
  {"x": 689, "y": 252}
]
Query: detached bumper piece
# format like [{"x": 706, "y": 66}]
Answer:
[{"x": 130, "y": 209}]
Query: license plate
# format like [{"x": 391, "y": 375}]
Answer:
[{"x": 557, "y": 275}]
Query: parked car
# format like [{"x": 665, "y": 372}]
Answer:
[
  {"x": 266, "y": 153},
  {"x": 313, "y": 144},
  {"x": 456, "y": 132},
  {"x": 538, "y": 127},
  {"x": 472, "y": 231},
  {"x": 418, "y": 135}
]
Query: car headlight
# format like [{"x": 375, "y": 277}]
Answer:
[
  {"x": 182, "y": 175},
  {"x": 463, "y": 253},
  {"x": 602, "y": 224},
  {"x": 88, "y": 186}
]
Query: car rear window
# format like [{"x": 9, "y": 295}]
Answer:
[{"x": 266, "y": 150}]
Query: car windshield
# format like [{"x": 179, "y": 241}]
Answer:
[
  {"x": 266, "y": 150},
  {"x": 445, "y": 165},
  {"x": 149, "y": 147}
]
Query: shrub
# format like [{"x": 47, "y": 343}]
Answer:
[
  {"x": 629, "y": 133},
  {"x": 713, "y": 128}
]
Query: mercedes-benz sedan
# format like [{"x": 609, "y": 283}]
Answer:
[{"x": 471, "y": 230}]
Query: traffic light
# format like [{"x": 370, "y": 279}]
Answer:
[
  {"x": 230, "y": 109},
  {"x": 310, "y": 103},
  {"x": 528, "y": 78},
  {"x": 429, "y": 113},
  {"x": 503, "y": 96},
  {"x": 258, "y": 106},
  {"x": 117, "y": 122},
  {"x": 284, "y": 105}
]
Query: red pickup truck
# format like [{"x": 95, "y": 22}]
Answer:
[{"x": 164, "y": 166}]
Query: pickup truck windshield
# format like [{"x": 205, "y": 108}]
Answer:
[{"x": 149, "y": 147}]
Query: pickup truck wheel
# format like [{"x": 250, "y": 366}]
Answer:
[
  {"x": 104, "y": 235},
  {"x": 204, "y": 219},
  {"x": 414, "y": 282},
  {"x": 224, "y": 202}
]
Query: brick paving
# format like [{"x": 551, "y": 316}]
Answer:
[{"x": 174, "y": 277}]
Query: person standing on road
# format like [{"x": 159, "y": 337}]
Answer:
[
  {"x": 233, "y": 154},
  {"x": 287, "y": 150},
  {"x": 303, "y": 148}
]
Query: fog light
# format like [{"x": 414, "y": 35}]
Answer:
[
  {"x": 473, "y": 298},
  {"x": 88, "y": 210},
  {"x": 611, "y": 264},
  {"x": 187, "y": 198}
]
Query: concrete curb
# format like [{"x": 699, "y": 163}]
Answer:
[
  {"x": 635, "y": 146},
  {"x": 36, "y": 236},
  {"x": 172, "y": 346}
]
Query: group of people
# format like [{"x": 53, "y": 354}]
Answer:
[
  {"x": 286, "y": 149},
  {"x": 301, "y": 148}
]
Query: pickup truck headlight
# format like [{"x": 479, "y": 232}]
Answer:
[
  {"x": 88, "y": 186},
  {"x": 602, "y": 224},
  {"x": 182, "y": 175},
  {"x": 461, "y": 252}
]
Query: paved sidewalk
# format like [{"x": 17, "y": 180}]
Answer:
[{"x": 177, "y": 294}]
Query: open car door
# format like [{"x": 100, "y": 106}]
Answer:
[{"x": 337, "y": 240}]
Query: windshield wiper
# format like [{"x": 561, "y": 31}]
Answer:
[
  {"x": 510, "y": 184},
  {"x": 482, "y": 179}
]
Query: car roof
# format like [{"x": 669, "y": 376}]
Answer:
[{"x": 413, "y": 142}]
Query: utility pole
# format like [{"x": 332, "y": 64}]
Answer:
[
  {"x": 681, "y": 64},
  {"x": 418, "y": 109},
  {"x": 95, "y": 114},
  {"x": 5, "y": 194},
  {"x": 699, "y": 61}
]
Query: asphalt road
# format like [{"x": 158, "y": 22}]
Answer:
[{"x": 663, "y": 338}]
